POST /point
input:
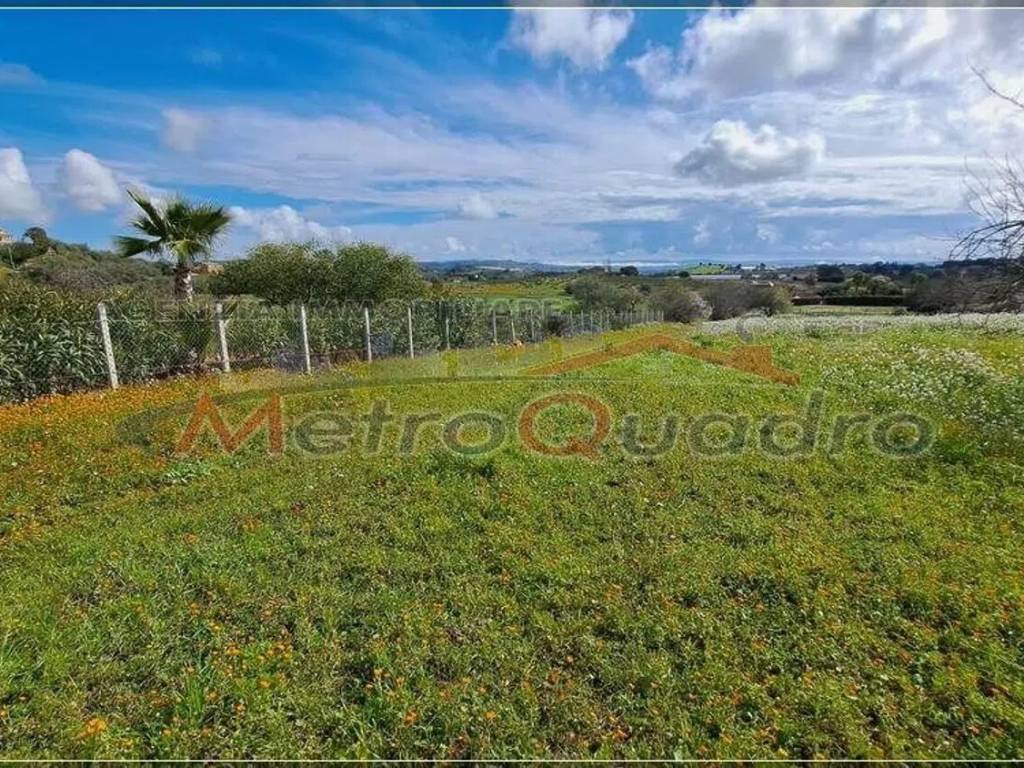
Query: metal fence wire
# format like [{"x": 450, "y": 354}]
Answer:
[{"x": 136, "y": 342}]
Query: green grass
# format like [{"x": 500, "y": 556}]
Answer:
[
  {"x": 839, "y": 309},
  {"x": 549, "y": 290},
  {"x": 518, "y": 605}
]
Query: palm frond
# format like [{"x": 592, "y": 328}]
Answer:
[
  {"x": 208, "y": 221},
  {"x": 156, "y": 221},
  {"x": 183, "y": 229},
  {"x": 133, "y": 246},
  {"x": 149, "y": 227},
  {"x": 177, "y": 213}
]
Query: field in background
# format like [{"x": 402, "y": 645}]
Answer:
[
  {"x": 830, "y": 310},
  {"x": 549, "y": 290},
  {"x": 436, "y": 605}
]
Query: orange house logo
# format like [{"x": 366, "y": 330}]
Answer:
[{"x": 749, "y": 359}]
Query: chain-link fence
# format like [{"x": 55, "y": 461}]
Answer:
[{"x": 136, "y": 342}]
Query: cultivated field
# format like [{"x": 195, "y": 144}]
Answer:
[{"x": 373, "y": 601}]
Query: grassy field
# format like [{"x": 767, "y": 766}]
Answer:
[
  {"x": 549, "y": 290},
  {"x": 828, "y": 310},
  {"x": 434, "y": 604}
]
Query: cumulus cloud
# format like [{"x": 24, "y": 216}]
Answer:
[
  {"x": 285, "y": 224},
  {"x": 586, "y": 163},
  {"x": 476, "y": 206},
  {"x": 770, "y": 48},
  {"x": 183, "y": 130},
  {"x": 19, "y": 198},
  {"x": 454, "y": 244},
  {"x": 587, "y": 37},
  {"x": 90, "y": 184},
  {"x": 733, "y": 154}
]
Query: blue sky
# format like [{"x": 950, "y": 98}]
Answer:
[{"x": 563, "y": 135}]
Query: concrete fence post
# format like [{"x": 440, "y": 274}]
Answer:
[
  {"x": 108, "y": 345},
  {"x": 366, "y": 333},
  {"x": 447, "y": 332},
  {"x": 512, "y": 325},
  {"x": 533, "y": 329},
  {"x": 307, "y": 361},
  {"x": 222, "y": 337},
  {"x": 408, "y": 317},
  {"x": 494, "y": 326}
]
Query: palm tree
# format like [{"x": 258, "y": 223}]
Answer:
[{"x": 185, "y": 231}]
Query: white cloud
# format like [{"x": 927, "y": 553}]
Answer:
[
  {"x": 770, "y": 48},
  {"x": 285, "y": 224},
  {"x": 183, "y": 130},
  {"x": 586, "y": 37},
  {"x": 454, "y": 244},
  {"x": 19, "y": 198},
  {"x": 476, "y": 206},
  {"x": 733, "y": 154},
  {"x": 702, "y": 232},
  {"x": 768, "y": 233},
  {"x": 570, "y": 168},
  {"x": 90, "y": 184}
]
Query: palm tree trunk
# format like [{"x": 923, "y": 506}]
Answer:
[{"x": 183, "y": 283}]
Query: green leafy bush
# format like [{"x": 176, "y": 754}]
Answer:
[
  {"x": 680, "y": 305},
  {"x": 48, "y": 342},
  {"x": 734, "y": 298},
  {"x": 595, "y": 292},
  {"x": 281, "y": 274},
  {"x": 77, "y": 268}
]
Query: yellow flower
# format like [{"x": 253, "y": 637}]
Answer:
[{"x": 94, "y": 727}]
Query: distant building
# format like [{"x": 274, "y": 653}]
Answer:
[
  {"x": 208, "y": 268},
  {"x": 5, "y": 237}
]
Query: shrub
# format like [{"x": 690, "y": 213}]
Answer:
[
  {"x": 79, "y": 269},
  {"x": 829, "y": 273},
  {"x": 594, "y": 292},
  {"x": 555, "y": 325},
  {"x": 305, "y": 272},
  {"x": 151, "y": 341},
  {"x": 734, "y": 298},
  {"x": 48, "y": 342},
  {"x": 680, "y": 305},
  {"x": 961, "y": 293}
]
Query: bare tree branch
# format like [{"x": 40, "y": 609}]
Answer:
[
  {"x": 997, "y": 199},
  {"x": 1015, "y": 100}
]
